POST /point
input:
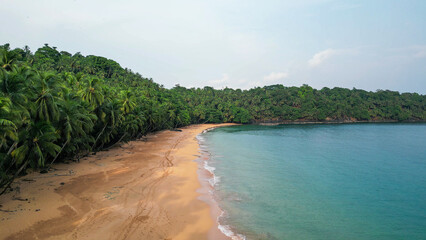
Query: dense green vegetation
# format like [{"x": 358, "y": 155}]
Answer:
[{"x": 55, "y": 105}]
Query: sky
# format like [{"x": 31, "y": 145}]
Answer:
[{"x": 366, "y": 44}]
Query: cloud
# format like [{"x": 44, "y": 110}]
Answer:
[
  {"x": 220, "y": 83},
  {"x": 273, "y": 76},
  {"x": 234, "y": 82},
  {"x": 322, "y": 56},
  {"x": 224, "y": 79}
]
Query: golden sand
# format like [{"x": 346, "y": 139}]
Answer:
[{"x": 146, "y": 189}]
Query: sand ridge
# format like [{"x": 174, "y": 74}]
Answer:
[{"x": 145, "y": 189}]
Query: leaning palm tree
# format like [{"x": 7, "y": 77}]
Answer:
[
  {"x": 111, "y": 117},
  {"x": 133, "y": 124},
  {"x": 75, "y": 122},
  {"x": 36, "y": 144}
]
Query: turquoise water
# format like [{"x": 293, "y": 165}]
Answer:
[{"x": 349, "y": 181}]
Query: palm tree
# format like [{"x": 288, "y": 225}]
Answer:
[
  {"x": 14, "y": 104},
  {"x": 92, "y": 92},
  {"x": 47, "y": 89},
  {"x": 36, "y": 143},
  {"x": 27, "y": 51},
  {"x": 153, "y": 114},
  {"x": 14, "y": 84},
  {"x": 111, "y": 118},
  {"x": 133, "y": 123},
  {"x": 6, "y": 57},
  {"x": 75, "y": 122},
  {"x": 128, "y": 101},
  {"x": 7, "y": 127}
]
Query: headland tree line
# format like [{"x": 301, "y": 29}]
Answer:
[{"x": 57, "y": 106}]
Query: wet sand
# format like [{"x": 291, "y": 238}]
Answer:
[{"x": 146, "y": 189}]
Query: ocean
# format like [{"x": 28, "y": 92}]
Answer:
[{"x": 334, "y": 181}]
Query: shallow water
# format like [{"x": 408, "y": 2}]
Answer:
[{"x": 341, "y": 181}]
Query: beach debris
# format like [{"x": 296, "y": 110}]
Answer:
[
  {"x": 1, "y": 210},
  {"x": 28, "y": 180},
  {"x": 20, "y": 199},
  {"x": 38, "y": 209},
  {"x": 62, "y": 183}
]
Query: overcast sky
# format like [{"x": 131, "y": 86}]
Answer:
[{"x": 371, "y": 44}]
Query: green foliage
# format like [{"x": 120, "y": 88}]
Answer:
[{"x": 56, "y": 105}]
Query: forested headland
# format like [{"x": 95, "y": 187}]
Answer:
[{"x": 55, "y": 105}]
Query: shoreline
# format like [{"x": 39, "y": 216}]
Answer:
[
  {"x": 206, "y": 190},
  {"x": 145, "y": 189},
  {"x": 208, "y": 181},
  {"x": 296, "y": 122}
]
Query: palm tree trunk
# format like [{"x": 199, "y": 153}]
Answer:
[
  {"x": 108, "y": 135},
  {"x": 14, "y": 160},
  {"x": 11, "y": 148},
  {"x": 119, "y": 140},
  {"x": 9, "y": 182},
  {"x": 59, "y": 153},
  {"x": 140, "y": 134},
  {"x": 98, "y": 137}
]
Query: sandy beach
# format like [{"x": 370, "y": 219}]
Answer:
[{"x": 145, "y": 189}]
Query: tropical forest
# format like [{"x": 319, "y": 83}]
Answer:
[{"x": 56, "y": 106}]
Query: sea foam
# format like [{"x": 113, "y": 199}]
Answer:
[{"x": 225, "y": 229}]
